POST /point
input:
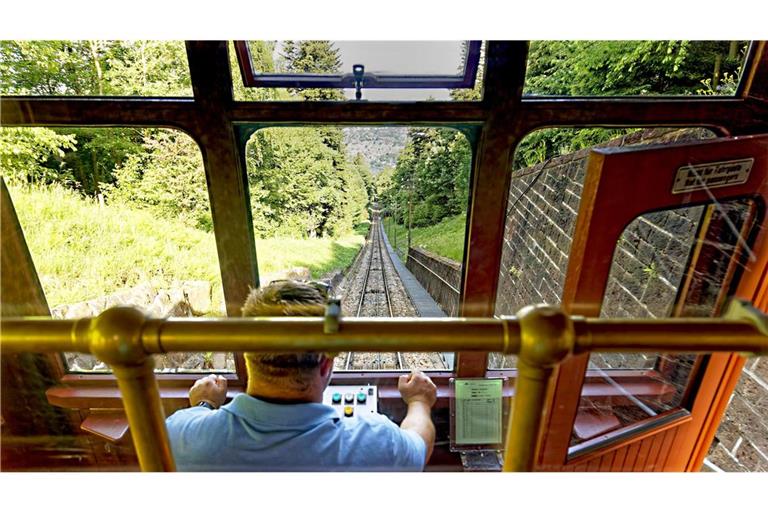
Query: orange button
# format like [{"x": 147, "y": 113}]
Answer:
[{"x": 349, "y": 411}]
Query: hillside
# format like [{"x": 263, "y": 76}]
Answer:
[
  {"x": 379, "y": 145},
  {"x": 83, "y": 250}
]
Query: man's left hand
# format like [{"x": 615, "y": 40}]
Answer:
[{"x": 211, "y": 389}]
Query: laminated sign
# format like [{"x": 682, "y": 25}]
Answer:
[{"x": 713, "y": 175}]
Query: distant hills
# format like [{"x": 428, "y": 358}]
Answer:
[{"x": 379, "y": 145}]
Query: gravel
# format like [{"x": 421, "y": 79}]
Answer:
[{"x": 375, "y": 305}]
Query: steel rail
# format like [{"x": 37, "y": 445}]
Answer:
[{"x": 398, "y": 357}]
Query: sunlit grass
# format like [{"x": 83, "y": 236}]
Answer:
[
  {"x": 445, "y": 238},
  {"x": 83, "y": 250}
]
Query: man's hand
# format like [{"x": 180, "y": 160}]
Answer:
[
  {"x": 417, "y": 387},
  {"x": 211, "y": 389}
]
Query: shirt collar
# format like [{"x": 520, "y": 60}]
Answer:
[{"x": 306, "y": 415}]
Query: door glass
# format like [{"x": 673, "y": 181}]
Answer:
[{"x": 672, "y": 263}]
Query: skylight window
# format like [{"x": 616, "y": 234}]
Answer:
[{"x": 368, "y": 64}]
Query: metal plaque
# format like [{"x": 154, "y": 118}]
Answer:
[{"x": 714, "y": 175}]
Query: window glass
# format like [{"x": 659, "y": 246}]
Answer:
[
  {"x": 117, "y": 216},
  {"x": 634, "y": 68},
  {"x": 379, "y": 212},
  {"x": 668, "y": 263},
  {"x": 543, "y": 204},
  {"x": 331, "y": 60},
  {"x": 94, "y": 68}
]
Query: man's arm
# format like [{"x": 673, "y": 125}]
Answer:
[{"x": 420, "y": 393}]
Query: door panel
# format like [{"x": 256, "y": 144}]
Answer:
[{"x": 621, "y": 185}]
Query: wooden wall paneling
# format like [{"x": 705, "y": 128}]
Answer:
[
  {"x": 593, "y": 465},
  {"x": 643, "y": 452},
  {"x": 666, "y": 449},
  {"x": 606, "y": 461},
  {"x": 631, "y": 457},
  {"x": 618, "y": 459},
  {"x": 490, "y": 185},
  {"x": 652, "y": 462}
]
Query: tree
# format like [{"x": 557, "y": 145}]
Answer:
[
  {"x": 319, "y": 57},
  {"x": 167, "y": 176},
  {"x": 35, "y": 156}
]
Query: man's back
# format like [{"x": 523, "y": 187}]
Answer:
[{"x": 249, "y": 434}]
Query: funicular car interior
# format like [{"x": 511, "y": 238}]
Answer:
[{"x": 55, "y": 419}]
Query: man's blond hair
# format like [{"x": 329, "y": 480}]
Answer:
[{"x": 284, "y": 298}]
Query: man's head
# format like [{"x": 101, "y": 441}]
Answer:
[{"x": 293, "y": 372}]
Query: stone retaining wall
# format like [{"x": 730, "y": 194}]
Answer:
[{"x": 441, "y": 277}]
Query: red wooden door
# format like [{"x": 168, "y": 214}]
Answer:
[{"x": 657, "y": 412}]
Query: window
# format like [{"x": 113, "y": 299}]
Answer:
[
  {"x": 379, "y": 212},
  {"x": 94, "y": 68},
  {"x": 117, "y": 216},
  {"x": 634, "y": 68},
  {"x": 666, "y": 263},
  {"x": 323, "y": 70}
]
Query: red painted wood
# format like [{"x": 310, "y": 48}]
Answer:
[
  {"x": 606, "y": 461},
  {"x": 642, "y": 453},
  {"x": 652, "y": 462},
  {"x": 111, "y": 426}
]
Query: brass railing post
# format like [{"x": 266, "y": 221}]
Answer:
[
  {"x": 547, "y": 337},
  {"x": 115, "y": 338}
]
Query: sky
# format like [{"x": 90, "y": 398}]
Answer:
[{"x": 400, "y": 57}]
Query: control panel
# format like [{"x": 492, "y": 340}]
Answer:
[{"x": 351, "y": 401}]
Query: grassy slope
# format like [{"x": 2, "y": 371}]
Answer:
[
  {"x": 445, "y": 238},
  {"x": 83, "y": 251}
]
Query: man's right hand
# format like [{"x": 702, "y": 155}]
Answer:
[
  {"x": 417, "y": 387},
  {"x": 211, "y": 389}
]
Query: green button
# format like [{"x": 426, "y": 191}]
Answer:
[
  {"x": 336, "y": 398},
  {"x": 361, "y": 398}
]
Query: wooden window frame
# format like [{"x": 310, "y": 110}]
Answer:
[{"x": 503, "y": 117}]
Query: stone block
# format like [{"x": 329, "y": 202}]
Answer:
[
  {"x": 78, "y": 310},
  {"x": 198, "y": 295},
  {"x": 761, "y": 368}
]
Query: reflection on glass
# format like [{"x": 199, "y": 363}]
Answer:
[
  {"x": 543, "y": 204},
  {"x": 379, "y": 212},
  {"x": 669, "y": 263},
  {"x": 117, "y": 217}
]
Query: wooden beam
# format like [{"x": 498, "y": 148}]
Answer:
[
  {"x": 48, "y": 111},
  {"x": 349, "y": 112},
  {"x": 719, "y": 113},
  {"x": 224, "y": 170},
  {"x": 505, "y": 73}
]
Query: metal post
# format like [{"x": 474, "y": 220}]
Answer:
[
  {"x": 547, "y": 337},
  {"x": 116, "y": 339}
]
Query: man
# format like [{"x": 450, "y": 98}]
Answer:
[{"x": 281, "y": 424}]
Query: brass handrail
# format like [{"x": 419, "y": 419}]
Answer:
[{"x": 541, "y": 335}]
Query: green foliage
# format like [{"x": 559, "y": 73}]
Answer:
[
  {"x": 595, "y": 68},
  {"x": 446, "y": 238},
  {"x": 34, "y": 156},
  {"x": 83, "y": 250},
  {"x": 319, "y": 57},
  {"x": 301, "y": 184},
  {"x": 167, "y": 176},
  {"x": 431, "y": 179}
]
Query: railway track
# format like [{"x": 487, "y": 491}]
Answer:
[{"x": 378, "y": 292}]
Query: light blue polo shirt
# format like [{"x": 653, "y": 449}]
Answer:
[{"x": 249, "y": 434}]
